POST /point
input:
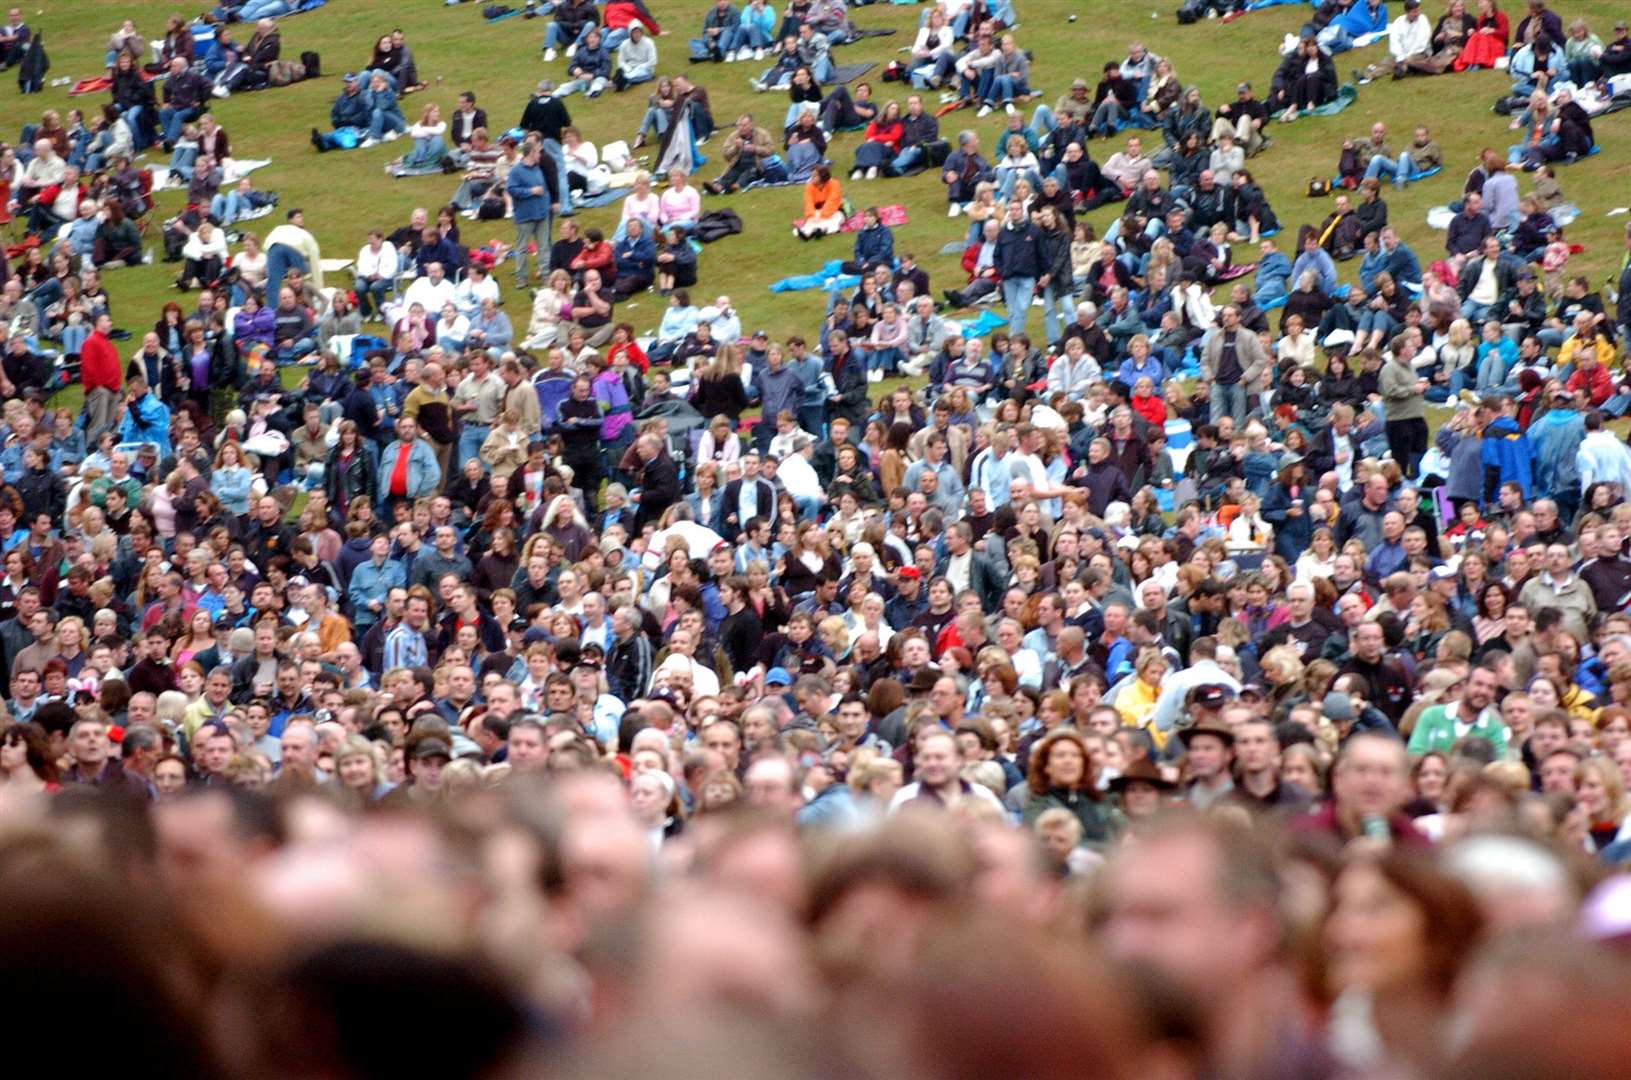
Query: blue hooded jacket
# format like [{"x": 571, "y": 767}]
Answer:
[
  {"x": 1557, "y": 437},
  {"x": 1508, "y": 452}
]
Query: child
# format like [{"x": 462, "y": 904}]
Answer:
[{"x": 1553, "y": 262}]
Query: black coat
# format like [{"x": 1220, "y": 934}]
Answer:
[{"x": 659, "y": 488}]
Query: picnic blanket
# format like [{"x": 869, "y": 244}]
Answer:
[
  {"x": 99, "y": 84},
  {"x": 1336, "y": 181},
  {"x": 844, "y": 73},
  {"x": 1439, "y": 217},
  {"x": 893, "y": 215},
  {"x": 238, "y": 168},
  {"x": 1347, "y": 94},
  {"x": 1237, "y": 271},
  {"x": 982, "y": 324},
  {"x": 505, "y": 13},
  {"x": 830, "y": 276},
  {"x": 604, "y": 198}
]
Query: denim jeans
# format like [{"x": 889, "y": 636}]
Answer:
[
  {"x": 73, "y": 338},
  {"x": 382, "y": 121},
  {"x": 227, "y": 206},
  {"x": 1475, "y": 312},
  {"x": 884, "y": 359},
  {"x": 1229, "y": 401},
  {"x": 170, "y": 121},
  {"x": 1016, "y": 295},
  {"x": 470, "y": 439},
  {"x": 1058, "y": 309},
  {"x": 557, "y": 155},
  {"x": 655, "y": 121},
  {"x": 181, "y": 160},
  {"x": 978, "y": 87},
  {"x": 1006, "y": 88},
  {"x": 1107, "y": 117},
  {"x": 1043, "y": 121},
  {"x": 593, "y": 87},
  {"x": 908, "y": 157},
  {"x": 280, "y": 259},
  {"x": 371, "y": 295},
  {"x": 1400, "y": 171},
  {"x": 534, "y": 232}
]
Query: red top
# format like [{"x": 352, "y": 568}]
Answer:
[
  {"x": 99, "y": 363},
  {"x": 620, "y": 14},
  {"x": 889, "y": 134}
]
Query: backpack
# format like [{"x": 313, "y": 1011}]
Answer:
[
  {"x": 313, "y": 64},
  {"x": 716, "y": 225},
  {"x": 33, "y": 66},
  {"x": 284, "y": 72},
  {"x": 937, "y": 151},
  {"x": 774, "y": 170},
  {"x": 491, "y": 208}
]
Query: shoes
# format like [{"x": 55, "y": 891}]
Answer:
[
  {"x": 1009, "y": 108},
  {"x": 855, "y": 174},
  {"x": 639, "y": 141},
  {"x": 392, "y": 136},
  {"x": 713, "y": 187},
  {"x": 317, "y": 141},
  {"x": 954, "y": 298},
  {"x": 1360, "y": 78},
  {"x": 366, "y": 143},
  {"x": 549, "y": 56},
  {"x": 875, "y": 375},
  {"x": 221, "y": 92},
  {"x": 572, "y": 50},
  {"x": 758, "y": 54},
  {"x": 872, "y": 172},
  {"x": 985, "y": 110},
  {"x": 758, "y": 85},
  {"x": 953, "y": 210}
]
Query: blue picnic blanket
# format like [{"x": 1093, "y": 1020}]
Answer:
[
  {"x": 605, "y": 198},
  {"x": 830, "y": 276}
]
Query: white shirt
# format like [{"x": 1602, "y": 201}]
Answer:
[
  {"x": 428, "y": 294},
  {"x": 958, "y": 570},
  {"x": 704, "y": 683},
  {"x": 1407, "y": 36},
  {"x": 799, "y": 478}
]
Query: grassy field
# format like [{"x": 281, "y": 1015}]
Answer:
[{"x": 344, "y": 194}]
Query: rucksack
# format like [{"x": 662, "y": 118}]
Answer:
[
  {"x": 491, "y": 208},
  {"x": 313, "y": 64},
  {"x": 716, "y": 225},
  {"x": 284, "y": 72}
]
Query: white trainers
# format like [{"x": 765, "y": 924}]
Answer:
[
  {"x": 572, "y": 50},
  {"x": 953, "y": 210},
  {"x": 549, "y": 56},
  {"x": 392, "y": 136},
  {"x": 855, "y": 174},
  {"x": 758, "y": 54},
  {"x": 1009, "y": 108},
  {"x": 985, "y": 110},
  {"x": 872, "y": 172},
  {"x": 221, "y": 92},
  {"x": 758, "y": 84},
  {"x": 366, "y": 143},
  {"x": 875, "y": 375}
]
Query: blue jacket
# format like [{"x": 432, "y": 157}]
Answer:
[
  {"x": 370, "y": 582},
  {"x": 778, "y": 390},
  {"x": 1359, "y": 19},
  {"x": 875, "y": 244},
  {"x": 635, "y": 256},
  {"x": 1403, "y": 265},
  {"x": 1292, "y": 535},
  {"x": 1466, "y": 454},
  {"x": 1321, "y": 263},
  {"x": 1557, "y": 437},
  {"x": 1508, "y": 453},
  {"x": 595, "y": 63},
  {"x": 523, "y": 178},
  {"x": 809, "y": 372},
  {"x": 350, "y": 110},
  {"x": 424, "y": 474},
  {"x": 383, "y": 101},
  {"x": 1019, "y": 252},
  {"x": 1273, "y": 273},
  {"x": 147, "y": 421}
]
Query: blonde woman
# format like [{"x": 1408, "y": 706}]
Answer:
[
  {"x": 505, "y": 448},
  {"x": 360, "y": 770},
  {"x": 551, "y": 309},
  {"x": 1136, "y": 702},
  {"x": 1600, "y": 791}
]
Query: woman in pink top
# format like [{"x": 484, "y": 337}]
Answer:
[
  {"x": 641, "y": 203},
  {"x": 681, "y": 204}
]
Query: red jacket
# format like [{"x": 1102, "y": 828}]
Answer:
[
  {"x": 889, "y": 134},
  {"x": 99, "y": 363},
  {"x": 1150, "y": 407},
  {"x": 1598, "y": 383},
  {"x": 621, "y": 14},
  {"x": 971, "y": 259}
]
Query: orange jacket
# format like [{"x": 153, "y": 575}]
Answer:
[{"x": 823, "y": 200}]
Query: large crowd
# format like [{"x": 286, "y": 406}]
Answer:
[{"x": 1185, "y": 686}]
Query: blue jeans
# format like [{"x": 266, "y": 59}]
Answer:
[
  {"x": 1401, "y": 171},
  {"x": 593, "y": 87},
  {"x": 181, "y": 160},
  {"x": 555, "y": 37},
  {"x": 557, "y": 155},
  {"x": 1043, "y": 121},
  {"x": 977, "y": 87},
  {"x": 1229, "y": 401},
  {"x": 170, "y": 121},
  {"x": 1006, "y": 88},
  {"x": 1058, "y": 309},
  {"x": 383, "y": 120},
  {"x": 1006, "y": 178},
  {"x": 908, "y": 157},
  {"x": 1475, "y": 312},
  {"x": 227, "y": 206},
  {"x": 371, "y": 295},
  {"x": 1107, "y": 117},
  {"x": 73, "y": 338},
  {"x": 1335, "y": 39},
  {"x": 139, "y": 135},
  {"x": 470, "y": 440},
  {"x": 655, "y": 121},
  {"x": 1016, "y": 294},
  {"x": 884, "y": 359},
  {"x": 812, "y": 418},
  {"x": 280, "y": 259},
  {"x": 743, "y": 36}
]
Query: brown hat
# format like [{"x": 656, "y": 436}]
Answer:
[
  {"x": 1141, "y": 772},
  {"x": 923, "y": 680},
  {"x": 1218, "y": 730}
]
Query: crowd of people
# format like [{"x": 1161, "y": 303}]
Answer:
[{"x": 1159, "y": 694}]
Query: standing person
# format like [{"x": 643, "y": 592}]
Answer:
[
  {"x": 534, "y": 188},
  {"x": 579, "y": 426},
  {"x": 659, "y": 480},
  {"x": 430, "y": 407},
  {"x": 1018, "y": 261},
  {"x": 1232, "y": 362},
  {"x": 99, "y": 373},
  {"x": 1404, "y": 406},
  {"x": 291, "y": 247},
  {"x": 477, "y": 402}
]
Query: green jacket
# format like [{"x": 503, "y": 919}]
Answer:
[{"x": 1435, "y": 730}]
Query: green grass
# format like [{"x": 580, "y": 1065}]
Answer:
[{"x": 344, "y": 194}]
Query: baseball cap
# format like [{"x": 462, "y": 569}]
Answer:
[
  {"x": 761, "y": 333},
  {"x": 1338, "y": 706},
  {"x": 535, "y": 634},
  {"x": 1079, "y": 84},
  {"x": 352, "y": 76},
  {"x": 911, "y": 572},
  {"x": 1211, "y": 697},
  {"x": 432, "y": 748},
  {"x": 1243, "y": 87},
  {"x": 778, "y": 677},
  {"x": 1440, "y": 573}
]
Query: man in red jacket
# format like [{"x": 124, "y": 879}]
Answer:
[{"x": 99, "y": 374}]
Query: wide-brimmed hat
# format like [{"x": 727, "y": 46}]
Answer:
[
  {"x": 1218, "y": 730},
  {"x": 1141, "y": 772}
]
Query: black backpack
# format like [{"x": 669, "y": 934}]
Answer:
[
  {"x": 31, "y": 70},
  {"x": 716, "y": 225},
  {"x": 313, "y": 65}
]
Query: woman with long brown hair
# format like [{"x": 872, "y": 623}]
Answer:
[{"x": 1062, "y": 775}]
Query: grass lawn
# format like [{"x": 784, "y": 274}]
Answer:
[{"x": 346, "y": 193}]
